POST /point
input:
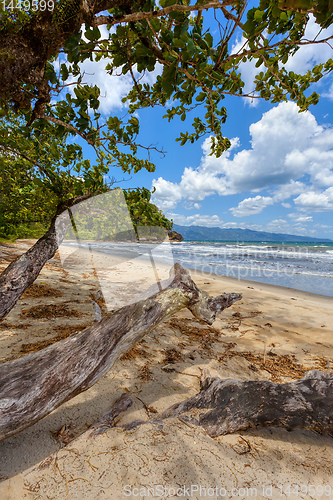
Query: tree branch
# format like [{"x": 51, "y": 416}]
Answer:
[
  {"x": 56, "y": 121},
  {"x": 50, "y": 177},
  {"x": 235, "y": 405},
  {"x": 139, "y": 16}
]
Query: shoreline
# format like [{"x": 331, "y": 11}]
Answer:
[
  {"x": 252, "y": 282},
  {"x": 266, "y": 286}
]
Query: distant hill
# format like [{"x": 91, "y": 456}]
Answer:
[{"x": 200, "y": 233}]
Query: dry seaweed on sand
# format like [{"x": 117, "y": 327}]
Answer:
[
  {"x": 171, "y": 356},
  {"x": 65, "y": 331},
  {"x": 50, "y": 311},
  {"x": 277, "y": 365},
  {"x": 39, "y": 290},
  {"x": 65, "y": 435},
  {"x": 138, "y": 351},
  {"x": 145, "y": 373}
]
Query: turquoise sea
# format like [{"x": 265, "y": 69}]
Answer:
[{"x": 303, "y": 266}]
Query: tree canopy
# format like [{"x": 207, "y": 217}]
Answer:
[
  {"x": 41, "y": 51},
  {"x": 188, "y": 45}
]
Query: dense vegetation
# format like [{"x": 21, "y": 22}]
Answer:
[{"x": 40, "y": 171}]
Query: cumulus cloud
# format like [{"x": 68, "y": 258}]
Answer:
[
  {"x": 248, "y": 70},
  {"x": 196, "y": 220},
  {"x": 299, "y": 225},
  {"x": 283, "y": 226},
  {"x": 300, "y": 218},
  {"x": 307, "y": 55},
  {"x": 288, "y": 151},
  {"x": 286, "y": 191},
  {"x": 167, "y": 194},
  {"x": 316, "y": 201},
  {"x": 251, "y": 206}
]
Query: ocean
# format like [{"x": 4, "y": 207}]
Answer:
[{"x": 303, "y": 266}]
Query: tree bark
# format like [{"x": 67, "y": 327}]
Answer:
[
  {"x": 34, "y": 385},
  {"x": 23, "y": 271},
  {"x": 234, "y": 405}
]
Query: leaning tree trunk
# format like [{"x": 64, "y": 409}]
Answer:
[
  {"x": 23, "y": 271},
  {"x": 235, "y": 405},
  {"x": 34, "y": 385}
]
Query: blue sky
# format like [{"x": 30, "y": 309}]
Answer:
[{"x": 278, "y": 175}]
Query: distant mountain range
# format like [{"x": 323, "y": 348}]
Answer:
[{"x": 200, "y": 233}]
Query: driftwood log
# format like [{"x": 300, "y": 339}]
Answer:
[
  {"x": 236, "y": 405},
  {"x": 34, "y": 385}
]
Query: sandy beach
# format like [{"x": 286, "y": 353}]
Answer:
[{"x": 273, "y": 333}]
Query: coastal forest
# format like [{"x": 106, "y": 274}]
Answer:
[{"x": 45, "y": 171}]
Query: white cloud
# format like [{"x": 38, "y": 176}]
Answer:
[
  {"x": 300, "y": 218},
  {"x": 308, "y": 55},
  {"x": 289, "y": 150},
  {"x": 283, "y": 226},
  {"x": 286, "y": 191},
  {"x": 167, "y": 194},
  {"x": 299, "y": 225},
  {"x": 251, "y": 206},
  {"x": 196, "y": 220},
  {"x": 316, "y": 201},
  {"x": 248, "y": 71},
  {"x": 112, "y": 88}
]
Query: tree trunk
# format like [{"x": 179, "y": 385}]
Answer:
[
  {"x": 34, "y": 385},
  {"x": 23, "y": 271},
  {"x": 236, "y": 405}
]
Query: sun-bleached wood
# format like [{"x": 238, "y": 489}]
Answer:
[{"x": 235, "y": 405}]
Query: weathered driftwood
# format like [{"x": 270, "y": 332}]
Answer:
[
  {"x": 34, "y": 385},
  {"x": 235, "y": 405}
]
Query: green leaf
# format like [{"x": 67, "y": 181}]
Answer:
[
  {"x": 64, "y": 72},
  {"x": 209, "y": 39},
  {"x": 92, "y": 34},
  {"x": 167, "y": 3},
  {"x": 258, "y": 15},
  {"x": 201, "y": 97}
]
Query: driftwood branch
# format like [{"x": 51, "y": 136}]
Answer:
[
  {"x": 235, "y": 405},
  {"x": 34, "y": 385}
]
